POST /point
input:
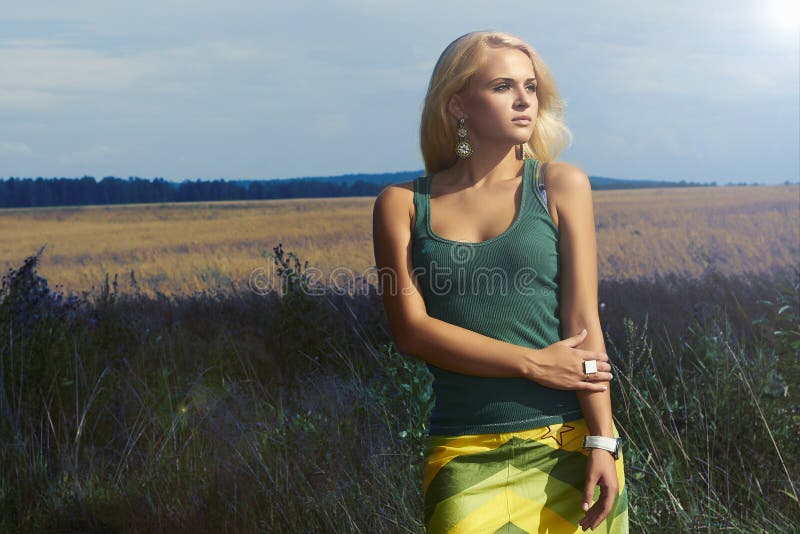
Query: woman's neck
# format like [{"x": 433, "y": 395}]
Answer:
[{"x": 485, "y": 166}]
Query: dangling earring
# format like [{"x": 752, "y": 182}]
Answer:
[
  {"x": 521, "y": 151},
  {"x": 463, "y": 148}
]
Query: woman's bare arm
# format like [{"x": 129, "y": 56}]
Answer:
[
  {"x": 570, "y": 195},
  {"x": 443, "y": 344}
]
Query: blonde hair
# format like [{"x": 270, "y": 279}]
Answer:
[{"x": 453, "y": 73}]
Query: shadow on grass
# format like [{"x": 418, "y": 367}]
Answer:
[{"x": 293, "y": 411}]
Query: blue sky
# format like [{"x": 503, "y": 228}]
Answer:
[{"x": 703, "y": 90}]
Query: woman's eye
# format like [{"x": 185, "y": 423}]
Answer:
[
  {"x": 532, "y": 88},
  {"x": 501, "y": 87}
]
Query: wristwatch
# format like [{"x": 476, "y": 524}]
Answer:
[{"x": 612, "y": 445}]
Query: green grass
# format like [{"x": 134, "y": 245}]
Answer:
[{"x": 293, "y": 412}]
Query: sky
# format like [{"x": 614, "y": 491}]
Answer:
[{"x": 681, "y": 90}]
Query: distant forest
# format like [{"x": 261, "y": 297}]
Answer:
[{"x": 29, "y": 192}]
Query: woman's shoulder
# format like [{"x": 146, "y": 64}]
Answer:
[
  {"x": 569, "y": 192},
  {"x": 396, "y": 199},
  {"x": 398, "y": 192},
  {"x": 560, "y": 176}
]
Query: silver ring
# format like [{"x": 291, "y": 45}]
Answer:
[{"x": 589, "y": 368}]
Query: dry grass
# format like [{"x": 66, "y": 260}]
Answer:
[
  {"x": 648, "y": 232},
  {"x": 188, "y": 247}
]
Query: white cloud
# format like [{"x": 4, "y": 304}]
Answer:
[
  {"x": 627, "y": 69},
  {"x": 53, "y": 69},
  {"x": 32, "y": 43},
  {"x": 20, "y": 100},
  {"x": 15, "y": 148},
  {"x": 95, "y": 154}
]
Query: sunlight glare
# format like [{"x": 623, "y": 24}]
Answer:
[{"x": 782, "y": 14}]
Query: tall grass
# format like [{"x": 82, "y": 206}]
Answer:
[{"x": 291, "y": 410}]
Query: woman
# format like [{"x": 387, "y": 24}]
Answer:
[{"x": 481, "y": 274}]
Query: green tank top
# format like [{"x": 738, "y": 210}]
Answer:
[{"x": 507, "y": 288}]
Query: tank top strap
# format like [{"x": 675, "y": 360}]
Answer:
[
  {"x": 537, "y": 185},
  {"x": 421, "y": 203},
  {"x": 529, "y": 173}
]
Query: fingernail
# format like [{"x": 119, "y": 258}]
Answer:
[
  {"x": 605, "y": 388},
  {"x": 585, "y": 506},
  {"x": 583, "y": 331}
]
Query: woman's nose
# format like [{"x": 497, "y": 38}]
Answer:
[{"x": 523, "y": 101}]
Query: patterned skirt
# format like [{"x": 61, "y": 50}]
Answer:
[{"x": 525, "y": 481}]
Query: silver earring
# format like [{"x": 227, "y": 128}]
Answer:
[
  {"x": 463, "y": 148},
  {"x": 521, "y": 151}
]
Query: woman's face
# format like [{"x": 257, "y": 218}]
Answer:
[{"x": 501, "y": 105}]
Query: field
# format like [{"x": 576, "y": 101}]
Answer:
[
  {"x": 183, "y": 248},
  {"x": 181, "y": 400}
]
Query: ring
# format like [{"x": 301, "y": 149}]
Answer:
[{"x": 589, "y": 368}]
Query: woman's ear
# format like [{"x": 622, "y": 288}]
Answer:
[{"x": 455, "y": 107}]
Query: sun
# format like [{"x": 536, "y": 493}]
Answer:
[{"x": 782, "y": 14}]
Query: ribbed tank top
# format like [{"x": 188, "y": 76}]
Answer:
[{"x": 507, "y": 288}]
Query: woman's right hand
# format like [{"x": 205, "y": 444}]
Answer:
[{"x": 560, "y": 366}]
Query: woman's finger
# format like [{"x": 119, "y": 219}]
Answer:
[
  {"x": 599, "y": 356},
  {"x": 591, "y": 386},
  {"x": 588, "y": 490},
  {"x": 601, "y": 508},
  {"x": 600, "y": 377},
  {"x": 574, "y": 340}
]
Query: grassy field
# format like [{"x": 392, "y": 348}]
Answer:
[
  {"x": 183, "y": 248},
  {"x": 196, "y": 404}
]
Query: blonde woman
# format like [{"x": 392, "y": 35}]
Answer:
[{"x": 488, "y": 273}]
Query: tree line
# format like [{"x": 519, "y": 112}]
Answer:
[{"x": 29, "y": 192}]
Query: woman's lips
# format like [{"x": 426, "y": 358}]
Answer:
[{"x": 522, "y": 121}]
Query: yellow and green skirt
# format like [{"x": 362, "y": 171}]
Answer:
[{"x": 513, "y": 482}]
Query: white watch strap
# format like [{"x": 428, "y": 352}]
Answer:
[{"x": 600, "y": 442}]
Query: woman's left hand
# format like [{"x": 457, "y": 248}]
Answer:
[{"x": 600, "y": 470}]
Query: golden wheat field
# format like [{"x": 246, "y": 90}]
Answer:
[{"x": 188, "y": 247}]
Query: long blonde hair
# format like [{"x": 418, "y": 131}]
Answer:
[{"x": 453, "y": 73}]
